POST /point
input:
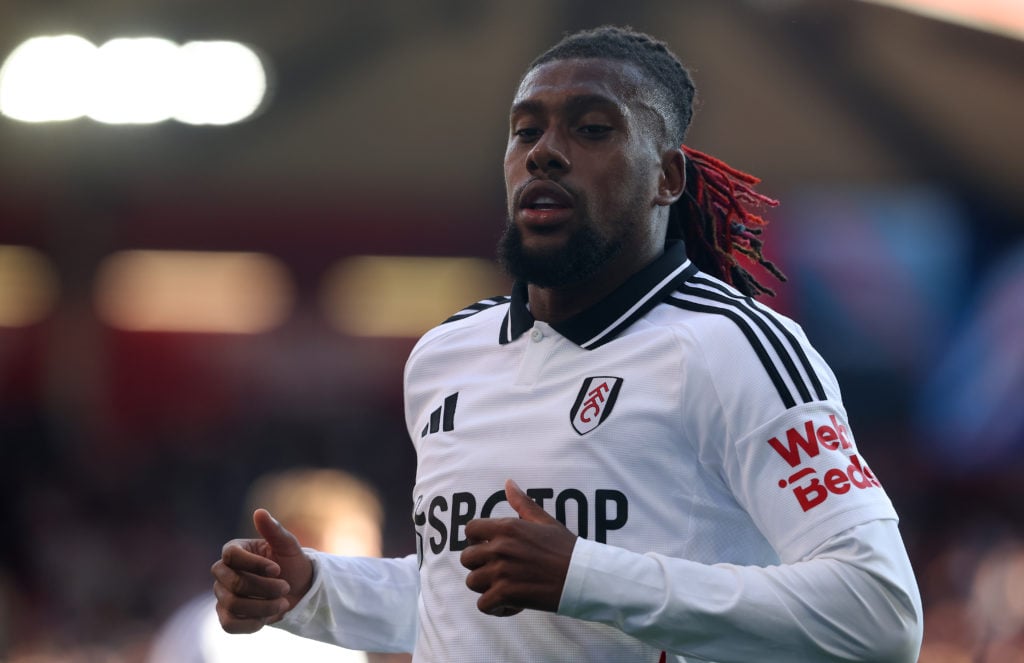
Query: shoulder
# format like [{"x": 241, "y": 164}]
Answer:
[
  {"x": 473, "y": 309},
  {"x": 477, "y": 322},
  {"x": 747, "y": 345}
]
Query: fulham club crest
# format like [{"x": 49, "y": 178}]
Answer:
[{"x": 594, "y": 403}]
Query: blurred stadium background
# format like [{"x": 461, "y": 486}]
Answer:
[{"x": 183, "y": 307}]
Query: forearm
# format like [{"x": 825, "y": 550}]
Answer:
[
  {"x": 848, "y": 601},
  {"x": 360, "y": 603}
]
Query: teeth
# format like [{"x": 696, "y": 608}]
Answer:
[{"x": 546, "y": 202}]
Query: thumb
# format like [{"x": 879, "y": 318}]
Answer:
[
  {"x": 282, "y": 542},
  {"x": 524, "y": 504}
]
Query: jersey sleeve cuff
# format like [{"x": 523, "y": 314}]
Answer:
[
  {"x": 303, "y": 611},
  {"x": 594, "y": 587},
  {"x": 575, "y": 577}
]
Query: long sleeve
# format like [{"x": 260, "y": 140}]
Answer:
[
  {"x": 854, "y": 598},
  {"x": 360, "y": 603}
]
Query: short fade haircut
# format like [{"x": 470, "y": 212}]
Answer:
[
  {"x": 652, "y": 57},
  {"x": 712, "y": 216}
]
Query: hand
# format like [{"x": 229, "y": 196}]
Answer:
[
  {"x": 517, "y": 563},
  {"x": 256, "y": 581}
]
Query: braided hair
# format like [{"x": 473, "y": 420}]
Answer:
[{"x": 712, "y": 216}]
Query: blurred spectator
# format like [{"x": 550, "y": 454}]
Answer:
[
  {"x": 325, "y": 509},
  {"x": 969, "y": 410},
  {"x": 974, "y": 587}
]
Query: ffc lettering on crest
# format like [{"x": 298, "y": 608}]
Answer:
[{"x": 594, "y": 402}]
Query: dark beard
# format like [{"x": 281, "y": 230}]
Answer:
[{"x": 577, "y": 260}]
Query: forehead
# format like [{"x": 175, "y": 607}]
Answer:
[{"x": 551, "y": 82}]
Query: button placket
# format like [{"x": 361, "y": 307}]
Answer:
[{"x": 536, "y": 354}]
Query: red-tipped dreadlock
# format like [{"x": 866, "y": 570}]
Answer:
[{"x": 716, "y": 222}]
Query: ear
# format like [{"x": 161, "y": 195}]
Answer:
[{"x": 672, "y": 178}]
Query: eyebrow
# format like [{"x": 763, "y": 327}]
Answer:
[{"x": 573, "y": 104}]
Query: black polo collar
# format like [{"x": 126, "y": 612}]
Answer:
[{"x": 605, "y": 320}]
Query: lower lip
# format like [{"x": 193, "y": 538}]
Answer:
[{"x": 545, "y": 217}]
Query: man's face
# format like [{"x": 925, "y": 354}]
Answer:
[{"x": 581, "y": 173}]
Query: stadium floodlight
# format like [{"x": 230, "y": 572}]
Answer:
[
  {"x": 222, "y": 82},
  {"x": 131, "y": 81},
  {"x": 135, "y": 81},
  {"x": 46, "y": 79}
]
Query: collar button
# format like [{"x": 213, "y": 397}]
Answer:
[{"x": 537, "y": 335}]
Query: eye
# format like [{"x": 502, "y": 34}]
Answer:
[
  {"x": 527, "y": 134},
  {"x": 594, "y": 130}
]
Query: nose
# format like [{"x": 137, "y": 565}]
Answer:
[{"x": 547, "y": 156}]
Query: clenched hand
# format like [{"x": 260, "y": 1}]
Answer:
[
  {"x": 256, "y": 581},
  {"x": 517, "y": 563}
]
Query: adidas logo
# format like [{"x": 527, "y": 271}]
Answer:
[{"x": 443, "y": 418}]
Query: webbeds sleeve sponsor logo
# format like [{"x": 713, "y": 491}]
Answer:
[{"x": 810, "y": 485}]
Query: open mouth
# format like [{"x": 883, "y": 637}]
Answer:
[{"x": 544, "y": 202}]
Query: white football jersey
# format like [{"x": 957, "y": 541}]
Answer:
[{"x": 677, "y": 417}]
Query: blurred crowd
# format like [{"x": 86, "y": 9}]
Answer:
[{"x": 126, "y": 459}]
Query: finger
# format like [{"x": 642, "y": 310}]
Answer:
[
  {"x": 504, "y": 611},
  {"x": 480, "y": 530},
  {"x": 244, "y": 583},
  {"x": 475, "y": 555},
  {"x": 236, "y": 625},
  {"x": 479, "y": 580},
  {"x": 524, "y": 504},
  {"x": 488, "y": 605},
  {"x": 282, "y": 542},
  {"x": 493, "y": 600},
  {"x": 241, "y": 555},
  {"x": 232, "y": 623},
  {"x": 485, "y": 530},
  {"x": 242, "y": 607}
]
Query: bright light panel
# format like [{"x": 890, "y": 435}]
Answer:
[
  {"x": 28, "y": 286},
  {"x": 135, "y": 81},
  {"x": 395, "y": 296},
  {"x": 225, "y": 82},
  {"x": 48, "y": 79},
  {"x": 1004, "y": 17},
  {"x": 131, "y": 81},
  {"x": 193, "y": 291}
]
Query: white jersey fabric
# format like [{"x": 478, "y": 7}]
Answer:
[{"x": 696, "y": 443}]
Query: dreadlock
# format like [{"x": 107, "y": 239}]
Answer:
[{"x": 712, "y": 216}]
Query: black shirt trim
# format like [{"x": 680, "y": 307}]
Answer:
[{"x": 607, "y": 319}]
